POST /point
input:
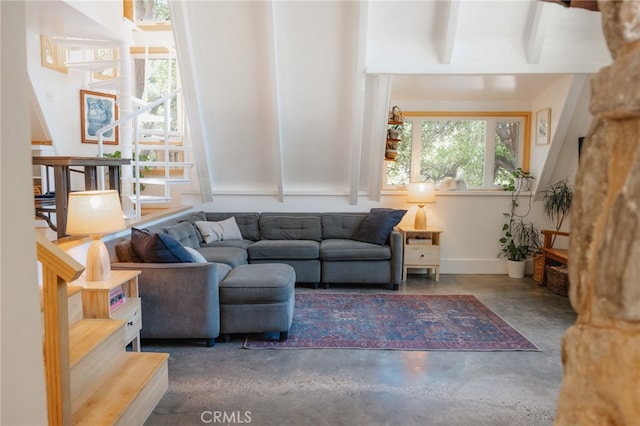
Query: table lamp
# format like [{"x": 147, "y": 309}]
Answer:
[
  {"x": 95, "y": 213},
  {"x": 421, "y": 193}
]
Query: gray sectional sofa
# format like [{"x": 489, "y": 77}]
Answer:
[{"x": 321, "y": 247}]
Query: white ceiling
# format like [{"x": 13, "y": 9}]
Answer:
[
  {"x": 474, "y": 50},
  {"x": 441, "y": 50},
  {"x": 511, "y": 88}
]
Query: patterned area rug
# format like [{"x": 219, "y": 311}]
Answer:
[{"x": 394, "y": 321}]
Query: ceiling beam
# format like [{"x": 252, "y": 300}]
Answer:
[
  {"x": 279, "y": 125},
  {"x": 483, "y": 68},
  {"x": 537, "y": 23},
  {"x": 356, "y": 136},
  {"x": 450, "y": 31}
]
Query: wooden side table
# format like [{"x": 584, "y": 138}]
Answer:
[
  {"x": 421, "y": 249},
  {"x": 101, "y": 299}
]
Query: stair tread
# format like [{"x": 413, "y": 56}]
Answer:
[
  {"x": 150, "y": 199},
  {"x": 73, "y": 289},
  {"x": 87, "y": 333},
  {"x": 162, "y": 180},
  {"x": 132, "y": 372}
]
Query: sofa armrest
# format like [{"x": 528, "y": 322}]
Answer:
[
  {"x": 179, "y": 300},
  {"x": 395, "y": 241}
]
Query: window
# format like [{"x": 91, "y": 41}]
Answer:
[
  {"x": 461, "y": 149},
  {"x": 147, "y": 11},
  {"x": 52, "y": 56},
  {"x": 155, "y": 77}
]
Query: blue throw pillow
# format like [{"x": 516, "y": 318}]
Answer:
[
  {"x": 158, "y": 248},
  {"x": 377, "y": 226}
]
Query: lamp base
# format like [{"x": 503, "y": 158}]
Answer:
[
  {"x": 98, "y": 261},
  {"x": 421, "y": 218}
]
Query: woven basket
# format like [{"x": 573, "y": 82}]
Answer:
[
  {"x": 558, "y": 279},
  {"x": 538, "y": 268}
]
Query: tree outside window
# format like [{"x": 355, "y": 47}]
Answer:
[
  {"x": 476, "y": 152},
  {"x": 151, "y": 10},
  {"x": 159, "y": 80}
]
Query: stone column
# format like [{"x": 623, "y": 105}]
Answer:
[{"x": 601, "y": 352}]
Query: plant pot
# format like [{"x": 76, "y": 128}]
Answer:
[
  {"x": 394, "y": 134},
  {"x": 515, "y": 268},
  {"x": 391, "y": 154}
]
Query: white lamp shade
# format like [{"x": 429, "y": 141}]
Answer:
[
  {"x": 422, "y": 193},
  {"x": 94, "y": 213}
]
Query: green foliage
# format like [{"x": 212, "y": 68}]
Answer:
[
  {"x": 520, "y": 239},
  {"x": 454, "y": 149},
  {"x": 159, "y": 85},
  {"x": 118, "y": 154},
  {"x": 557, "y": 202},
  {"x": 506, "y": 150}
]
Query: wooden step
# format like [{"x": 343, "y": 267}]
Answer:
[
  {"x": 74, "y": 303},
  {"x": 93, "y": 344},
  {"x": 128, "y": 395}
]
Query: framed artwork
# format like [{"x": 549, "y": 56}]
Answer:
[
  {"x": 543, "y": 126},
  {"x": 96, "y": 111}
]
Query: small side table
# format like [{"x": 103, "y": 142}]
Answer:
[
  {"x": 421, "y": 249},
  {"x": 101, "y": 299}
]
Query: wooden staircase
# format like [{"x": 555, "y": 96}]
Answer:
[{"x": 91, "y": 378}]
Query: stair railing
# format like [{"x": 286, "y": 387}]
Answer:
[
  {"x": 58, "y": 269},
  {"x": 134, "y": 116}
]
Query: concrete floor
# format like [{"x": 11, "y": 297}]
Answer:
[{"x": 227, "y": 384}]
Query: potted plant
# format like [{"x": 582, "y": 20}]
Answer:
[
  {"x": 143, "y": 157},
  {"x": 395, "y": 132},
  {"x": 520, "y": 238},
  {"x": 557, "y": 202}
]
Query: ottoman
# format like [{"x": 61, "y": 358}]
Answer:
[{"x": 257, "y": 298}]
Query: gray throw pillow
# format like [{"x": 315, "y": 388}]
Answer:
[{"x": 377, "y": 226}]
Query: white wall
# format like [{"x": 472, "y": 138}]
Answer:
[
  {"x": 307, "y": 70},
  {"x": 22, "y": 391},
  {"x": 555, "y": 98}
]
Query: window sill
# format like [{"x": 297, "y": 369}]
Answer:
[{"x": 455, "y": 193}]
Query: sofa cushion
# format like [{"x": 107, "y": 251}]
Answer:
[
  {"x": 158, "y": 248},
  {"x": 260, "y": 284},
  {"x": 378, "y": 224},
  {"x": 192, "y": 218},
  {"x": 284, "y": 249},
  {"x": 342, "y": 249},
  {"x": 290, "y": 228},
  {"x": 243, "y": 244},
  {"x": 195, "y": 255},
  {"x": 341, "y": 225},
  {"x": 219, "y": 231},
  {"x": 247, "y": 222},
  {"x": 185, "y": 233},
  {"x": 232, "y": 256}
]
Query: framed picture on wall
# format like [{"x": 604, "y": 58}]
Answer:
[
  {"x": 543, "y": 126},
  {"x": 98, "y": 110}
]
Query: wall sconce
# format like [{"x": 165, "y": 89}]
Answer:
[
  {"x": 421, "y": 193},
  {"x": 95, "y": 213}
]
